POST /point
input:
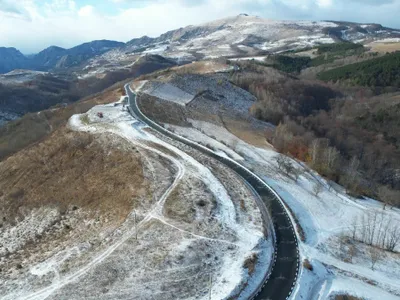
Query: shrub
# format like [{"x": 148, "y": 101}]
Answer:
[
  {"x": 85, "y": 119},
  {"x": 307, "y": 264},
  {"x": 250, "y": 263},
  {"x": 338, "y": 47},
  {"x": 290, "y": 64}
]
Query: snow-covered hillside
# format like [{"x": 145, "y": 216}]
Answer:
[
  {"x": 243, "y": 35},
  {"x": 327, "y": 219},
  {"x": 332, "y": 224},
  {"x": 198, "y": 220},
  {"x": 20, "y": 76}
]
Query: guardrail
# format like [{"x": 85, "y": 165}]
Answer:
[{"x": 240, "y": 170}]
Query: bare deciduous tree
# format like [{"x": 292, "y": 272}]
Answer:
[
  {"x": 285, "y": 164},
  {"x": 314, "y": 151},
  {"x": 280, "y": 161},
  {"x": 376, "y": 229},
  {"x": 354, "y": 228},
  {"x": 351, "y": 252},
  {"x": 297, "y": 173},
  {"x": 282, "y": 137},
  {"x": 388, "y": 196},
  {"x": 332, "y": 155},
  {"x": 374, "y": 255},
  {"x": 393, "y": 238},
  {"x": 317, "y": 189}
]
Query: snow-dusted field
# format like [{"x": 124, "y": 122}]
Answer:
[
  {"x": 19, "y": 76},
  {"x": 257, "y": 58},
  {"x": 167, "y": 92},
  {"x": 209, "y": 93},
  {"x": 197, "y": 225},
  {"x": 326, "y": 220}
]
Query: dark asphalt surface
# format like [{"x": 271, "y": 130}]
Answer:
[{"x": 284, "y": 273}]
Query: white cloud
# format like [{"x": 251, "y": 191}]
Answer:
[
  {"x": 324, "y": 3},
  {"x": 86, "y": 11}
]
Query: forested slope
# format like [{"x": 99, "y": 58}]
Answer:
[{"x": 378, "y": 72}]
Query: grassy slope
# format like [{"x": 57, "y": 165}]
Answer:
[{"x": 71, "y": 168}]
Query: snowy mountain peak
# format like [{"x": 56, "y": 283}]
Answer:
[{"x": 245, "y": 35}]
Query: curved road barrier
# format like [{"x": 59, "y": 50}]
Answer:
[{"x": 279, "y": 282}]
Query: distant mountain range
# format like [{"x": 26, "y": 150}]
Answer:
[
  {"x": 245, "y": 35},
  {"x": 11, "y": 59},
  {"x": 54, "y": 57},
  {"x": 237, "y": 36}
]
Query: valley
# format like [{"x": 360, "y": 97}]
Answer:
[
  {"x": 243, "y": 158},
  {"x": 90, "y": 67}
]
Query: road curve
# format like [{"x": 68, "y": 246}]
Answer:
[{"x": 282, "y": 278}]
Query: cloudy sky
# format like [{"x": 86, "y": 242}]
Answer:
[{"x": 31, "y": 25}]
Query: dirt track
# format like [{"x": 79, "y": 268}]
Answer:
[{"x": 281, "y": 280}]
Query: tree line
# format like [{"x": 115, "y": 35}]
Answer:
[
  {"x": 319, "y": 124},
  {"x": 378, "y": 72},
  {"x": 328, "y": 53}
]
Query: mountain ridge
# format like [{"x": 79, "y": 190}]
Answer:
[
  {"x": 54, "y": 56},
  {"x": 240, "y": 35},
  {"x": 11, "y": 59},
  {"x": 245, "y": 35}
]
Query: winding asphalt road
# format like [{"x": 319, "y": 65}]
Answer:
[{"x": 282, "y": 278}]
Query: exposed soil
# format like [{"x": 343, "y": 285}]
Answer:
[{"x": 384, "y": 47}]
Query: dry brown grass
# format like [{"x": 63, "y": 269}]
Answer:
[
  {"x": 201, "y": 67},
  {"x": 384, "y": 47},
  {"x": 307, "y": 265},
  {"x": 250, "y": 263},
  {"x": 346, "y": 297},
  {"x": 189, "y": 199},
  {"x": 244, "y": 131},
  {"x": 72, "y": 169}
]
